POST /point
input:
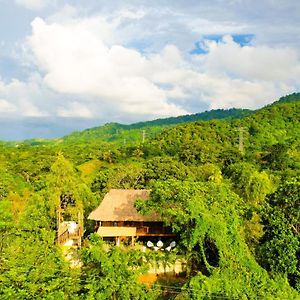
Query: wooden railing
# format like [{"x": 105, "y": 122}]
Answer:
[
  {"x": 66, "y": 235},
  {"x": 153, "y": 231},
  {"x": 63, "y": 237},
  {"x": 142, "y": 230}
]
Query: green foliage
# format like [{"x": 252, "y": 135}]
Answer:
[
  {"x": 10, "y": 182},
  {"x": 289, "y": 98},
  {"x": 249, "y": 183},
  {"x": 280, "y": 245},
  {"x": 222, "y": 199},
  {"x": 277, "y": 157},
  {"x": 121, "y": 176},
  {"x": 112, "y": 273},
  {"x": 122, "y": 134},
  {"x": 202, "y": 212},
  {"x": 165, "y": 168},
  {"x": 208, "y": 172},
  {"x": 6, "y": 226},
  {"x": 31, "y": 265},
  {"x": 65, "y": 188}
]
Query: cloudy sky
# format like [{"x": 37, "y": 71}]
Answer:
[{"x": 67, "y": 65}]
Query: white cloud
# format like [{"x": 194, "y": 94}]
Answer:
[
  {"x": 33, "y": 4},
  {"x": 248, "y": 76},
  {"x": 250, "y": 62},
  {"x": 64, "y": 14},
  {"x": 22, "y": 98},
  {"x": 131, "y": 14},
  {"x": 75, "y": 110},
  {"x": 230, "y": 75},
  {"x": 77, "y": 59},
  {"x": 206, "y": 27},
  {"x": 224, "y": 92},
  {"x": 5, "y": 106},
  {"x": 85, "y": 59}
]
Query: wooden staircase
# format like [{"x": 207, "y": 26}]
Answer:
[{"x": 70, "y": 231}]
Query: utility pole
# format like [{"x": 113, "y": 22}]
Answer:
[{"x": 143, "y": 136}]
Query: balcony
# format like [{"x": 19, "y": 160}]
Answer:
[{"x": 110, "y": 231}]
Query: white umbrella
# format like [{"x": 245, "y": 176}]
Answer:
[
  {"x": 159, "y": 244},
  {"x": 173, "y": 244},
  {"x": 149, "y": 244}
]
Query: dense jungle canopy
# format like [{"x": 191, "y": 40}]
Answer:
[{"x": 227, "y": 182}]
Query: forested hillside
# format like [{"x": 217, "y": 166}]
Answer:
[
  {"x": 132, "y": 133},
  {"x": 229, "y": 187}
]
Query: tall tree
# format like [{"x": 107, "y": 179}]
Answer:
[{"x": 280, "y": 248}]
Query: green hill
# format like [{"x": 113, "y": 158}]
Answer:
[
  {"x": 277, "y": 123},
  {"x": 121, "y": 133},
  {"x": 115, "y": 132},
  {"x": 132, "y": 133},
  {"x": 289, "y": 98}
]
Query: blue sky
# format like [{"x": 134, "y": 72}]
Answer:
[{"x": 69, "y": 65}]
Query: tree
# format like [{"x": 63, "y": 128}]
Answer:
[
  {"x": 32, "y": 266},
  {"x": 277, "y": 157},
  {"x": 112, "y": 273},
  {"x": 280, "y": 246},
  {"x": 65, "y": 189},
  {"x": 249, "y": 183},
  {"x": 207, "y": 218},
  {"x": 165, "y": 168}
]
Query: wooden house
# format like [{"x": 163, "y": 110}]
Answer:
[{"x": 117, "y": 218}]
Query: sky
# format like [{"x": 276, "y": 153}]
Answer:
[{"x": 69, "y": 65}]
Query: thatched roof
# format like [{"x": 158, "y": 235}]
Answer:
[{"x": 118, "y": 205}]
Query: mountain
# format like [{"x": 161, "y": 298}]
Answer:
[
  {"x": 272, "y": 129},
  {"x": 289, "y": 98},
  {"x": 137, "y": 132},
  {"x": 115, "y": 132}
]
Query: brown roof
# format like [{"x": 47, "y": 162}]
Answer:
[{"x": 118, "y": 205}]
